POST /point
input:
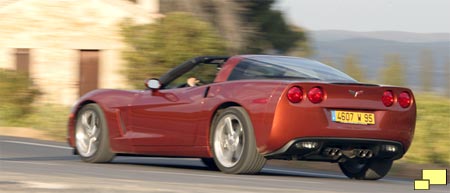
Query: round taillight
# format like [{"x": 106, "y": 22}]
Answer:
[
  {"x": 295, "y": 94},
  {"x": 404, "y": 99},
  {"x": 388, "y": 98},
  {"x": 316, "y": 95}
]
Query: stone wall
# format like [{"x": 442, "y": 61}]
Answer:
[{"x": 55, "y": 31}]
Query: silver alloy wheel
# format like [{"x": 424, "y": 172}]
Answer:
[
  {"x": 229, "y": 140},
  {"x": 87, "y": 133}
]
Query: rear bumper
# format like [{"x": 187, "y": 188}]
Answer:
[{"x": 336, "y": 149}]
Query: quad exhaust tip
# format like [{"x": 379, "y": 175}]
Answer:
[
  {"x": 332, "y": 152},
  {"x": 363, "y": 153}
]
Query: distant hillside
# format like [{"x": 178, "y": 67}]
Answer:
[
  {"x": 372, "y": 47},
  {"x": 333, "y": 35}
]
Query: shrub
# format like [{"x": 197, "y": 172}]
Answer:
[{"x": 17, "y": 94}]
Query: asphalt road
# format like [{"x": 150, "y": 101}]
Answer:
[{"x": 28, "y": 165}]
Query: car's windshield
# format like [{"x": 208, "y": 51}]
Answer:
[{"x": 276, "y": 67}]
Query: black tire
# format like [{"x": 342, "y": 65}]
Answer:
[
  {"x": 209, "y": 163},
  {"x": 366, "y": 169},
  {"x": 102, "y": 153},
  {"x": 250, "y": 160}
]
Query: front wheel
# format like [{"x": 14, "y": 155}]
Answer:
[
  {"x": 365, "y": 169},
  {"x": 91, "y": 134},
  {"x": 233, "y": 143}
]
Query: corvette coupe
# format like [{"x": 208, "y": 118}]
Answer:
[{"x": 237, "y": 112}]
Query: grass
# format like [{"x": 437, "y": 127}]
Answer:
[
  {"x": 49, "y": 118},
  {"x": 431, "y": 143}
]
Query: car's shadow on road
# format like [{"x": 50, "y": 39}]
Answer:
[
  {"x": 174, "y": 163},
  {"x": 195, "y": 164}
]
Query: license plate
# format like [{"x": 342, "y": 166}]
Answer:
[{"x": 353, "y": 117}]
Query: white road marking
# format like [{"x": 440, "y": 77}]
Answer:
[
  {"x": 35, "y": 162},
  {"x": 36, "y": 144},
  {"x": 43, "y": 185}
]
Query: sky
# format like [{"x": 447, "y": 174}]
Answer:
[{"x": 420, "y": 16}]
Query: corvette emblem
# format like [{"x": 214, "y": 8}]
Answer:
[{"x": 355, "y": 93}]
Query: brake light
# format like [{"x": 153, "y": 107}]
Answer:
[
  {"x": 316, "y": 95},
  {"x": 404, "y": 99},
  {"x": 388, "y": 98},
  {"x": 295, "y": 94}
]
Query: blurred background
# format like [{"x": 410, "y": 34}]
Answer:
[{"x": 52, "y": 52}]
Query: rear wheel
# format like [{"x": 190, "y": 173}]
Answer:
[
  {"x": 365, "y": 169},
  {"x": 91, "y": 134},
  {"x": 233, "y": 143}
]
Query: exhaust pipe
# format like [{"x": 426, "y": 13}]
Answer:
[
  {"x": 363, "y": 153},
  {"x": 368, "y": 153},
  {"x": 333, "y": 152},
  {"x": 357, "y": 152}
]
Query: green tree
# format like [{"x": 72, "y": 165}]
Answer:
[
  {"x": 352, "y": 68},
  {"x": 155, "y": 48},
  {"x": 250, "y": 26},
  {"x": 302, "y": 47},
  {"x": 394, "y": 72},
  {"x": 427, "y": 67},
  {"x": 270, "y": 29}
]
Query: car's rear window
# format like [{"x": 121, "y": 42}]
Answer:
[{"x": 272, "y": 67}]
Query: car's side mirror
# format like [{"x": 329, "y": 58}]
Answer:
[{"x": 153, "y": 84}]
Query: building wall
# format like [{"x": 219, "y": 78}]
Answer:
[{"x": 55, "y": 32}]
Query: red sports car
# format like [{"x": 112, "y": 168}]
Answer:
[{"x": 236, "y": 112}]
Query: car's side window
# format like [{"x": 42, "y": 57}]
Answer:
[{"x": 204, "y": 73}]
